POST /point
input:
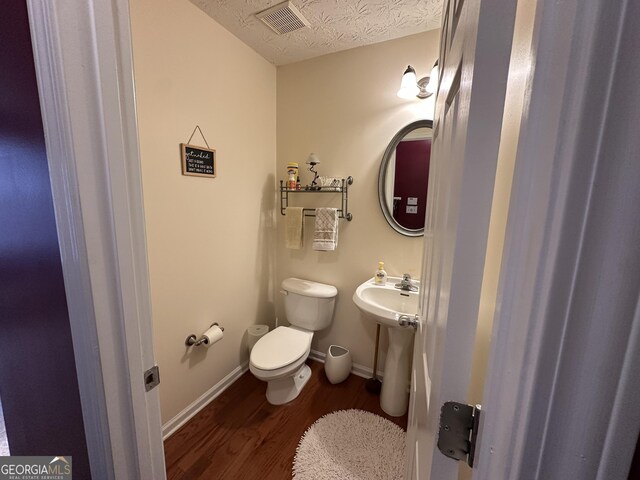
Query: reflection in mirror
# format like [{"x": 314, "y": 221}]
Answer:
[{"x": 403, "y": 179}]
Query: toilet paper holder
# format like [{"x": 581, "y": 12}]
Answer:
[{"x": 192, "y": 340}]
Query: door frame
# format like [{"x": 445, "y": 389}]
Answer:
[
  {"x": 83, "y": 59},
  {"x": 570, "y": 105}
]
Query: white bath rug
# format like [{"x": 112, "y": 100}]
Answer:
[{"x": 351, "y": 445}]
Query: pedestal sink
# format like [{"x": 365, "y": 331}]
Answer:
[{"x": 388, "y": 305}]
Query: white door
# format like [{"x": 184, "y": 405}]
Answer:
[{"x": 474, "y": 61}]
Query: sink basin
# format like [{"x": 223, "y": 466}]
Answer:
[{"x": 385, "y": 304}]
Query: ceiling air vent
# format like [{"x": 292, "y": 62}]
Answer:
[{"x": 283, "y": 18}]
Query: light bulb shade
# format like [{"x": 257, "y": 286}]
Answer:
[
  {"x": 432, "y": 86},
  {"x": 409, "y": 84},
  {"x": 313, "y": 159}
]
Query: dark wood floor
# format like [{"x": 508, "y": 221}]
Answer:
[{"x": 241, "y": 436}]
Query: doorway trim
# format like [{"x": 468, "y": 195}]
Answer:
[
  {"x": 555, "y": 235},
  {"x": 85, "y": 76},
  {"x": 83, "y": 58}
]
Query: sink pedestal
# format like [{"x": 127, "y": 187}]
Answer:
[
  {"x": 386, "y": 305},
  {"x": 394, "y": 398}
]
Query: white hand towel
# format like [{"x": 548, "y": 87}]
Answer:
[
  {"x": 294, "y": 227},
  {"x": 325, "y": 236}
]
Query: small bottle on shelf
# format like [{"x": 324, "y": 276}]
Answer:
[
  {"x": 298, "y": 183},
  {"x": 380, "y": 277},
  {"x": 292, "y": 171}
]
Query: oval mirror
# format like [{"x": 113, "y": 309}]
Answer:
[{"x": 403, "y": 178}]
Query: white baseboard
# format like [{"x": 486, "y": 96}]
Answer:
[
  {"x": 356, "y": 368},
  {"x": 188, "y": 413}
]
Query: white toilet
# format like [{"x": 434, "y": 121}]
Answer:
[{"x": 278, "y": 357}]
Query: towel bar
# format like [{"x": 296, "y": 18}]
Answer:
[{"x": 343, "y": 190}]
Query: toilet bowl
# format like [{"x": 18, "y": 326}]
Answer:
[{"x": 278, "y": 358}]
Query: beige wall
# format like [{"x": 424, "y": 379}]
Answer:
[
  {"x": 210, "y": 241},
  {"x": 517, "y": 84},
  {"x": 344, "y": 108}
]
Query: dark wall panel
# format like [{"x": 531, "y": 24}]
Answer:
[
  {"x": 411, "y": 180},
  {"x": 38, "y": 383}
]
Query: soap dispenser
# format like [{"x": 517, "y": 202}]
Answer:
[{"x": 381, "y": 276}]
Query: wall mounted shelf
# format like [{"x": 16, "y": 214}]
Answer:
[{"x": 343, "y": 190}]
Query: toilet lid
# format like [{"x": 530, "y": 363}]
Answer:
[
  {"x": 280, "y": 347},
  {"x": 309, "y": 288}
]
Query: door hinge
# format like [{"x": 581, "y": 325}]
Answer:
[
  {"x": 459, "y": 431},
  {"x": 151, "y": 378}
]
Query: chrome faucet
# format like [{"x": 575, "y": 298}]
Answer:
[{"x": 407, "y": 284}]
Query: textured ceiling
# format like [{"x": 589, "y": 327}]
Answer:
[{"x": 335, "y": 24}]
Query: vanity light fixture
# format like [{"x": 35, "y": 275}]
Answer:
[{"x": 411, "y": 87}]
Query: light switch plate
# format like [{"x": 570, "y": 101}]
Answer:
[
  {"x": 412, "y": 200},
  {"x": 412, "y": 209}
]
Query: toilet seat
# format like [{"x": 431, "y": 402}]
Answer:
[
  {"x": 281, "y": 373},
  {"x": 280, "y": 348}
]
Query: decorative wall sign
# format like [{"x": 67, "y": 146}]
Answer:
[{"x": 198, "y": 161}]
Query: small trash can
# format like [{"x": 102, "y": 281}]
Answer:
[
  {"x": 255, "y": 333},
  {"x": 338, "y": 363}
]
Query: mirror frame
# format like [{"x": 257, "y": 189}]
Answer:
[{"x": 382, "y": 176}]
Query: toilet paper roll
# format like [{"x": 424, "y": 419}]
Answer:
[{"x": 212, "y": 335}]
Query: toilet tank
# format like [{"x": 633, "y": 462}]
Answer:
[{"x": 308, "y": 304}]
